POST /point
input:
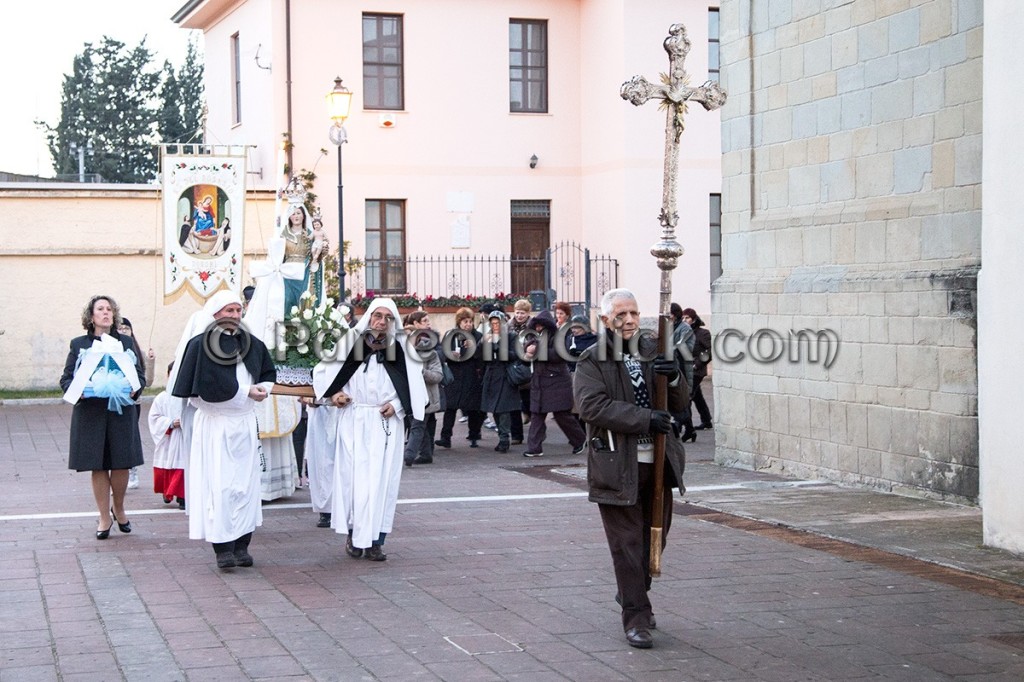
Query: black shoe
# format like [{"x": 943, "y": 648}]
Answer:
[
  {"x": 125, "y": 527},
  {"x": 181, "y": 503},
  {"x": 168, "y": 499},
  {"x": 409, "y": 462},
  {"x": 690, "y": 436},
  {"x": 420, "y": 459},
  {"x": 375, "y": 553},
  {"x": 579, "y": 450},
  {"x": 104, "y": 534},
  {"x": 517, "y": 441},
  {"x": 703, "y": 427},
  {"x": 474, "y": 443},
  {"x": 243, "y": 558},
  {"x": 353, "y": 552},
  {"x": 501, "y": 447},
  {"x": 639, "y": 638},
  {"x": 533, "y": 454},
  {"x": 443, "y": 442},
  {"x": 226, "y": 560},
  {"x": 325, "y": 520}
]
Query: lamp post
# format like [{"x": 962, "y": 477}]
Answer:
[
  {"x": 81, "y": 150},
  {"x": 339, "y": 102}
]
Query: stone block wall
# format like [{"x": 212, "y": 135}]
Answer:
[{"x": 852, "y": 203}]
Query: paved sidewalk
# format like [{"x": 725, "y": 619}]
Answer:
[{"x": 498, "y": 570}]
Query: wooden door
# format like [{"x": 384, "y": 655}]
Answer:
[{"x": 530, "y": 240}]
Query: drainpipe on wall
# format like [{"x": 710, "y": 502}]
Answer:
[{"x": 288, "y": 77}]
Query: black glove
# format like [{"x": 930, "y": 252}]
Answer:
[
  {"x": 661, "y": 422},
  {"x": 667, "y": 367}
]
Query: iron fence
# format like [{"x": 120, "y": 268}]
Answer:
[{"x": 567, "y": 272}]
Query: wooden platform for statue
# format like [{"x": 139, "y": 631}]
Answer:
[{"x": 297, "y": 391}]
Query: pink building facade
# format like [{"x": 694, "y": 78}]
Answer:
[{"x": 454, "y": 152}]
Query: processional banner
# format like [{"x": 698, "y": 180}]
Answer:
[{"x": 204, "y": 215}]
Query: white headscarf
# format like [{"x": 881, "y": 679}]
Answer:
[
  {"x": 197, "y": 323},
  {"x": 325, "y": 372}
]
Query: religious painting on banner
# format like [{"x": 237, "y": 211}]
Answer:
[{"x": 204, "y": 209}]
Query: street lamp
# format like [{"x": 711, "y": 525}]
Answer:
[
  {"x": 81, "y": 150},
  {"x": 339, "y": 102}
]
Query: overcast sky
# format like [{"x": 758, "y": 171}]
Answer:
[{"x": 38, "y": 41}]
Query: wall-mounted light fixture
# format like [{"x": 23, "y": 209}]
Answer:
[{"x": 533, "y": 161}]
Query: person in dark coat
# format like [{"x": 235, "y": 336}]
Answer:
[
  {"x": 701, "y": 360},
  {"x": 500, "y": 396},
  {"x": 465, "y": 392},
  {"x": 550, "y": 389},
  {"x": 104, "y": 442},
  {"x": 614, "y": 394},
  {"x": 518, "y": 323},
  {"x": 684, "y": 338}
]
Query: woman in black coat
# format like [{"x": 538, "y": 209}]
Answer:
[
  {"x": 500, "y": 397},
  {"x": 701, "y": 359},
  {"x": 550, "y": 391},
  {"x": 103, "y": 442},
  {"x": 464, "y": 393}
]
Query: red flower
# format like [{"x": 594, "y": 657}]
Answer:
[{"x": 204, "y": 275}]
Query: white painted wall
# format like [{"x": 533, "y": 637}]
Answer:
[{"x": 1000, "y": 306}]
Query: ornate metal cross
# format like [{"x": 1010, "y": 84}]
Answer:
[{"x": 673, "y": 93}]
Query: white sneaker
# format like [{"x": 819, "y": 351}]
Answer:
[
  {"x": 489, "y": 424},
  {"x": 133, "y": 479},
  {"x": 463, "y": 419}
]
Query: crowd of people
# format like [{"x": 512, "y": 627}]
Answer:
[{"x": 375, "y": 410}]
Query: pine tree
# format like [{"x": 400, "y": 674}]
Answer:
[
  {"x": 116, "y": 100},
  {"x": 181, "y": 115}
]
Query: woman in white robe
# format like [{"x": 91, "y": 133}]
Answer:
[
  {"x": 321, "y": 435},
  {"x": 379, "y": 382}
]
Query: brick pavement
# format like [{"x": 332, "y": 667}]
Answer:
[{"x": 507, "y": 587}]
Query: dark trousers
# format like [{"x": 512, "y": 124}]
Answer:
[
  {"x": 476, "y": 421},
  {"x": 566, "y": 421},
  {"x": 516, "y": 427},
  {"x": 699, "y": 402},
  {"x": 504, "y": 422},
  {"x": 299, "y": 440},
  {"x": 239, "y": 545},
  {"x": 628, "y": 529},
  {"x": 420, "y": 438}
]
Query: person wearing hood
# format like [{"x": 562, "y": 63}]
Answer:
[
  {"x": 376, "y": 383},
  {"x": 500, "y": 396},
  {"x": 550, "y": 390},
  {"x": 580, "y": 338},
  {"x": 224, "y": 372},
  {"x": 701, "y": 360}
]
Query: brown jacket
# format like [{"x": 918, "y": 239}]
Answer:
[{"x": 605, "y": 399}]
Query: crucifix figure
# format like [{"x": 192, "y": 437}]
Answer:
[{"x": 673, "y": 94}]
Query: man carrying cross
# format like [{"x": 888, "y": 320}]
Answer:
[
  {"x": 635, "y": 456},
  {"x": 613, "y": 394}
]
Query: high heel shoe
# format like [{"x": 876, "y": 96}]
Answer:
[
  {"x": 104, "y": 534},
  {"x": 125, "y": 527},
  {"x": 690, "y": 436}
]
